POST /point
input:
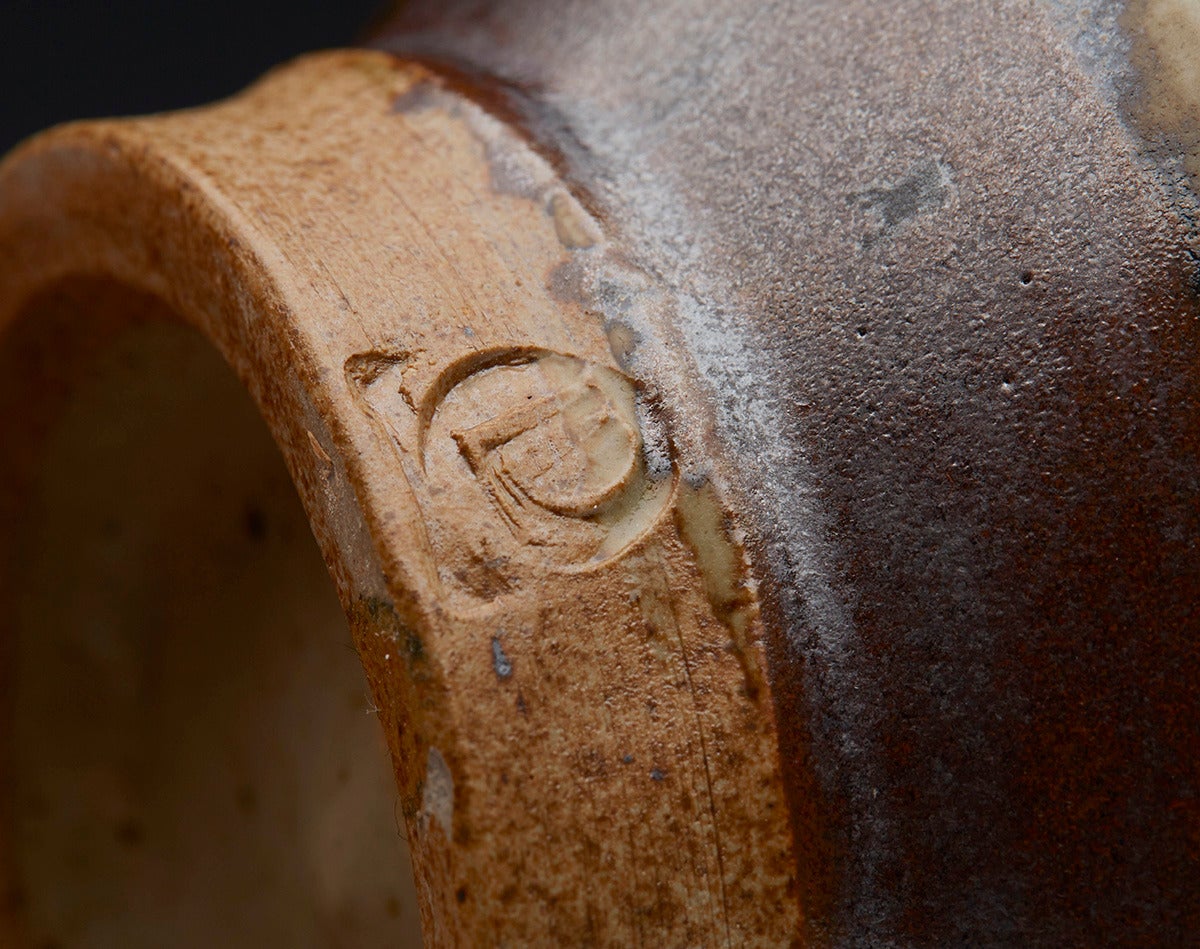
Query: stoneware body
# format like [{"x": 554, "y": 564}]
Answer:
[{"x": 755, "y": 447}]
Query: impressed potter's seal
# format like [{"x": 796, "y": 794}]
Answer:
[{"x": 527, "y": 460}]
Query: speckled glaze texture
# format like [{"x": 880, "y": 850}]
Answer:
[{"x": 925, "y": 297}]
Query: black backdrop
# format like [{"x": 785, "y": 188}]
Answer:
[{"x": 62, "y": 60}]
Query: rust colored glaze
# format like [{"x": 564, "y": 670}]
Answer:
[{"x": 933, "y": 270}]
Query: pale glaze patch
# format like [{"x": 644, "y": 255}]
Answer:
[{"x": 1166, "y": 52}]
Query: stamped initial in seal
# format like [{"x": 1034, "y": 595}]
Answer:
[{"x": 524, "y": 461}]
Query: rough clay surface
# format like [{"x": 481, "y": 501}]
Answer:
[
  {"x": 933, "y": 266},
  {"x": 553, "y": 611}
]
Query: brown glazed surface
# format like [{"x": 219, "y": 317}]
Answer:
[{"x": 933, "y": 265}]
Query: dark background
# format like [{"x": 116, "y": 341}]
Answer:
[{"x": 62, "y": 61}]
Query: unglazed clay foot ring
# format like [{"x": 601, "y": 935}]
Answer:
[{"x": 557, "y": 630}]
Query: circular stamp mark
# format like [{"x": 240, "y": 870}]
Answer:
[
  {"x": 527, "y": 460},
  {"x": 539, "y": 459}
]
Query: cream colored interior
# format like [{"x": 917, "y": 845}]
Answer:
[{"x": 191, "y": 757}]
